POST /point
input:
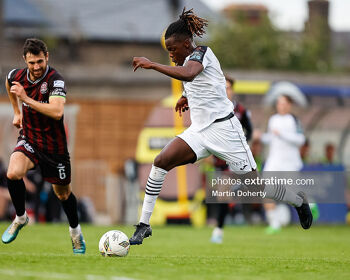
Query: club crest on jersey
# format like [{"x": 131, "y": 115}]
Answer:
[{"x": 43, "y": 88}]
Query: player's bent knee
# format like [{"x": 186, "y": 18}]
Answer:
[
  {"x": 62, "y": 191},
  {"x": 14, "y": 175},
  {"x": 161, "y": 162},
  {"x": 63, "y": 196}
]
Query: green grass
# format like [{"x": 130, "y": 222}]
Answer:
[{"x": 176, "y": 252}]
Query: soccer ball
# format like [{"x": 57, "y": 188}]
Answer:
[{"x": 114, "y": 243}]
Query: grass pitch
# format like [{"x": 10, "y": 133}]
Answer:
[{"x": 181, "y": 252}]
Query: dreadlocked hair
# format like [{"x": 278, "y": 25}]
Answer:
[{"x": 189, "y": 24}]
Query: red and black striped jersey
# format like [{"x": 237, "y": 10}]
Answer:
[{"x": 45, "y": 133}]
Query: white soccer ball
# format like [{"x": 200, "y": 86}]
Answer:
[{"x": 114, "y": 243}]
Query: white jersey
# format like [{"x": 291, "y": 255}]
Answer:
[
  {"x": 284, "y": 152},
  {"x": 206, "y": 94}
]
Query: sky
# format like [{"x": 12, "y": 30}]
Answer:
[{"x": 291, "y": 14}]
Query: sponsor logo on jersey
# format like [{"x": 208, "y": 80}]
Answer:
[
  {"x": 43, "y": 88},
  {"x": 241, "y": 164},
  {"x": 58, "y": 83},
  {"x": 26, "y": 146},
  {"x": 58, "y": 92},
  {"x": 20, "y": 143},
  {"x": 196, "y": 56}
]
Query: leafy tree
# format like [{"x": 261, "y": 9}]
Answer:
[{"x": 261, "y": 46}]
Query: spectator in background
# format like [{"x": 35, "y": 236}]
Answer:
[
  {"x": 34, "y": 185},
  {"x": 243, "y": 116},
  {"x": 304, "y": 154},
  {"x": 240, "y": 111},
  {"x": 329, "y": 159},
  {"x": 304, "y": 151},
  {"x": 329, "y": 153},
  {"x": 284, "y": 137},
  {"x": 254, "y": 213},
  {"x": 33, "y": 182},
  {"x": 256, "y": 147},
  {"x": 4, "y": 193}
]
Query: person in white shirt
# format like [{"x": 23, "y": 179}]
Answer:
[
  {"x": 214, "y": 129},
  {"x": 284, "y": 137}
]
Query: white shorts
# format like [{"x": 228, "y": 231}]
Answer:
[{"x": 225, "y": 140}]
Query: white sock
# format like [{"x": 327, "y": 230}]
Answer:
[
  {"x": 218, "y": 232},
  {"x": 281, "y": 193},
  {"x": 153, "y": 187},
  {"x": 272, "y": 219},
  {"x": 75, "y": 231},
  {"x": 21, "y": 219}
]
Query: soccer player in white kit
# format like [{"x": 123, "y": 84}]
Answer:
[
  {"x": 284, "y": 137},
  {"x": 214, "y": 129}
]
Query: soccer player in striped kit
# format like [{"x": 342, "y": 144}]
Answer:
[
  {"x": 42, "y": 139},
  {"x": 214, "y": 129}
]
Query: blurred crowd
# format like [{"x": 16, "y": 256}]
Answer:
[{"x": 42, "y": 205}]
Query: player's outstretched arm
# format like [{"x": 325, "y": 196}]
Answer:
[
  {"x": 183, "y": 73},
  {"x": 294, "y": 138},
  {"x": 17, "y": 119},
  {"x": 54, "y": 109}
]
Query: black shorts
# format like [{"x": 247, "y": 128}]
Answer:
[{"x": 55, "y": 168}]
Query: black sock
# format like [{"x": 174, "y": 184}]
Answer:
[
  {"x": 70, "y": 208},
  {"x": 223, "y": 210},
  {"x": 17, "y": 191}
]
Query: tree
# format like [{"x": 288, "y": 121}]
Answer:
[{"x": 246, "y": 46}]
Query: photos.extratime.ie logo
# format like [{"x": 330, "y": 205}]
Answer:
[
  {"x": 250, "y": 188},
  {"x": 233, "y": 187},
  {"x": 258, "y": 181},
  {"x": 318, "y": 186}
]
